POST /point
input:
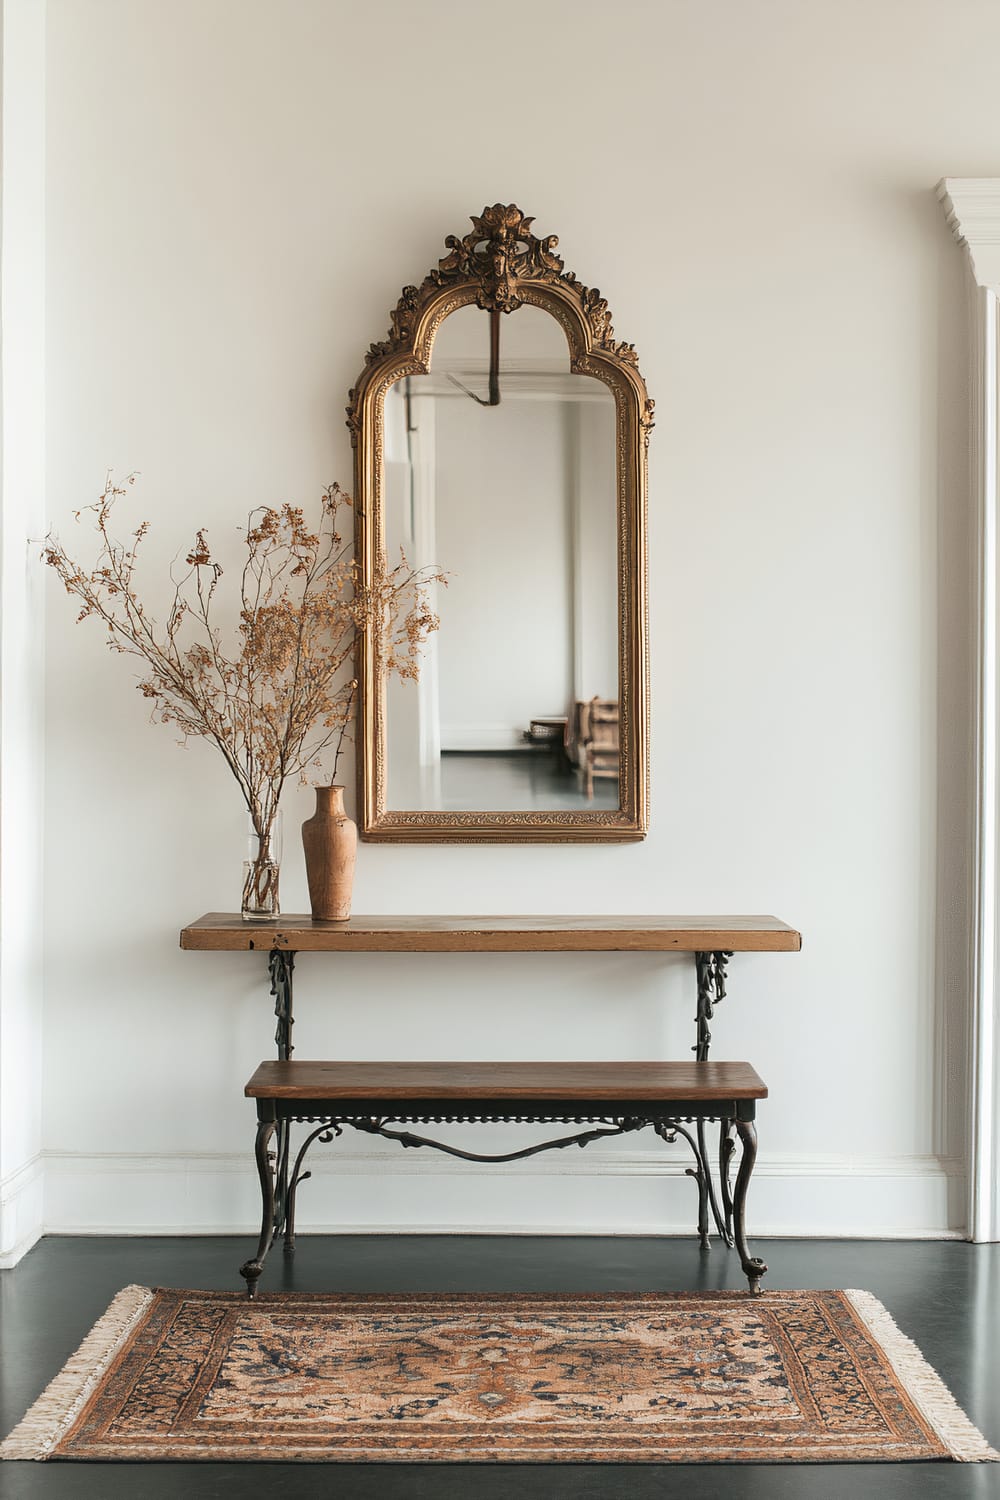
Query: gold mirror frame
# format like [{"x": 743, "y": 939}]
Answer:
[{"x": 501, "y": 265}]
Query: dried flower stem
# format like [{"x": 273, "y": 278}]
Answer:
[{"x": 283, "y": 696}]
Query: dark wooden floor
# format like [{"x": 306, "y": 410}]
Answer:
[{"x": 946, "y": 1296}]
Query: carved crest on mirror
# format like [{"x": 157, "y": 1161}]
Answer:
[{"x": 500, "y": 434}]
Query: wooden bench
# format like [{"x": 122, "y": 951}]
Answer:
[{"x": 612, "y": 1098}]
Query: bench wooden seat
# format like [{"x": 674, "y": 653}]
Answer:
[
  {"x": 581, "y": 1081},
  {"x": 615, "y": 1097}
]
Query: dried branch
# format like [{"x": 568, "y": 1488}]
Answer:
[{"x": 284, "y": 695}]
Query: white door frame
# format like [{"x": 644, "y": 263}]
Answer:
[
  {"x": 972, "y": 206},
  {"x": 22, "y": 616}
]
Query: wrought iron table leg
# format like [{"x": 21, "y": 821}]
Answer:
[
  {"x": 711, "y": 971},
  {"x": 280, "y": 964},
  {"x": 753, "y": 1268},
  {"x": 251, "y": 1269}
]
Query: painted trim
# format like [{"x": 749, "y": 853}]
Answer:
[
  {"x": 371, "y": 1191},
  {"x": 972, "y": 209},
  {"x": 21, "y": 1211},
  {"x": 22, "y": 616},
  {"x": 342, "y": 1160},
  {"x": 10, "y": 1258},
  {"x": 497, "y": 737}
]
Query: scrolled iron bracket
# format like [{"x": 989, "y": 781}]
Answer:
[
  {"x": 407, "y": 1138},
  {"x": 280, "y": 963},
  {"x": 711, "y": 969}
]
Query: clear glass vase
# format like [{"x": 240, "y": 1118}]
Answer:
[{"x": 261, "y": 869}]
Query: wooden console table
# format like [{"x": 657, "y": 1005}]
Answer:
[{"x": 711, "y": 940}]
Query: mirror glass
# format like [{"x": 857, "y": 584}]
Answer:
[{"x": 517, "y": 706}]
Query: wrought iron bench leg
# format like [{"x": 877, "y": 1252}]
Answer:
[
  {"x": 727, "y": 1145},
  {"x": 279, "y": 1181},
  {"x": 700, "y": 1175},
  {"x": 325, "y": 1134},
  {"x": 290, "y": 1220},
  {"x": 251, "y": 1269},
  {"x": 668, "y": 1131},
  {"x": 753, "y": 1268}
]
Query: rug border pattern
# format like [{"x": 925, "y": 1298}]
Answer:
[{"x": 51, "y": 1420}]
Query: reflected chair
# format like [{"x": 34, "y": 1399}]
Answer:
[{"x": 598, "y": 737}]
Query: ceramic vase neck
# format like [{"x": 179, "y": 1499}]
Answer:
[{"x": 330, "y": 801}]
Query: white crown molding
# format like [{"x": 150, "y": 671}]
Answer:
[{"x": 972, "y": 209}]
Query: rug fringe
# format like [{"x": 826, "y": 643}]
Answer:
[
  {"x": 59, "y": 1405},
  {"x": 928, "y": 1391}
]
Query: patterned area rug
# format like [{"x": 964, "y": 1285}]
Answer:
[{"x": 692, "y": 1377}]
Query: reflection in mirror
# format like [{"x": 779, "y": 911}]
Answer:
[{"x": 517, "y": 706}]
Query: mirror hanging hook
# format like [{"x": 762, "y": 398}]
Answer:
[
  {"x": 494, "y": 356},
  {"x": 494, "y": 386}
]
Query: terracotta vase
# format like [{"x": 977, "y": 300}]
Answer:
[{"x": 330, "y": 840}]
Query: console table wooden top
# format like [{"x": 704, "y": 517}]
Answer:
[{"x": 226, "y": 932}]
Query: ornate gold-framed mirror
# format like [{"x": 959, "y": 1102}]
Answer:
[{"x": 500, "y": 435}]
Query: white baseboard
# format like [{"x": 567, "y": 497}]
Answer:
[
  {"x": 497, "y": 737},
  {"x": 362, "y": 1191},
  {"x": 21, "y": 1211}
]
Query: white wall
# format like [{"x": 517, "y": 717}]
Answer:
[
  {"x": 237, "y": 192},
  {"x": 497, "y": 481},
  {"x": 595, "y": 551},
  {"x": 516, "y": 504},
  {"x": 505, "y": 647}
]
